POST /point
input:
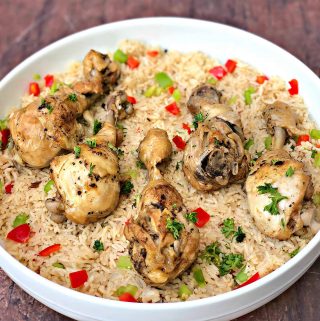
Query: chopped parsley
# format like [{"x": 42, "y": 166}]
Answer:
[
  {"x": 268, "y": 142},
  {"x": 228, "y": 229},
  {"x": 91, "y": 143},
  {"x": 192, "y": 217},
  {"x": 77, "y": 151},
  {"x": 91, "y": 169},
  {"x": 230, "y": 262},
  {"x": 211, "y": 254},
  {"x": 276, "y": 162},
  {"x": 290, "y": 172},
  {"x": 217, "y": 142},
  {"x": 248, "y": 144},
  {"x": 294, "y": 252},
  {"x": 98, "y": 246},
  {"x": 313, "y": 153},
  {"x": 3, "y": 124},
  {"x": 239, "y": 235},
  {"x": 47, "y": 188},
  {"x": 178, "y": 165},
  {"x": 73, "y": 97},
  {"x": 274, "y": 196},
  {"x": 45, "y": 104},
  {"x": 118, "y": 151},
  {"x": 174, "y": 227},
  {"x": 196, "y": 119},
  {"x": 126, "y": 187},
  {"x": 140, "y": 164},
  {"x": 97, "y": 125}
]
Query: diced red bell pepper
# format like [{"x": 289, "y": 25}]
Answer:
[
  {"x": 48, "y": 80},
  {"x": 294, "y": 90},
  {"x": 50, "y": 249},
  {"x": 171, "y": 90},
  {"x": 202, "y": 217},
  {"x": 34, "y": 89},
  {"x": 261, "y": 79},
  {"x": 302, "y": 138},
  {"x": 5, "y": 134},
  {"x": 187, "y": 128},
  {"x": 131, "y": 100},
  {"x": 231, "y": 65},
  {"x": 127, "y": 297},
  {"x": 173, "y": 109},
  {"x": 78, "y": 278},
  {"x": 218, "y": 72},
  {"x": 179, "y": 142},
  {"x": 254, "y": 278},
  {"x": 133, "y": 62},
  {"x": 152, "y": 53},
  {"x": 20, "y": 234},
  {"x": 8, "y": 188}
]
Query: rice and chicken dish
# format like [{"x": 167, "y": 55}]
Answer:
[{"x": 151, "y": 175}]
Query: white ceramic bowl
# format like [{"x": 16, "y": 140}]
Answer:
[{"x": 186, "y": 35}]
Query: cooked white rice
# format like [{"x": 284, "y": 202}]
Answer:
[{"x": 261, "y": 253}]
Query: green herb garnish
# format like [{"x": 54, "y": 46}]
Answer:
[
  {"x": 140, "y": 164},
  {"x": 230, "y": 262},
  {"x": 275, "y": 197},
  {"x": 126, "y": 188},
  {"x": 192, "y": 217},
  {"x": 3, "y": 124},
  {"x": 196, "y": 119},
  {"x": 315, "y": 134},
  {"x": 198, "y": 276},
  {"x": 124, "y": 262},
  {"x": 92, "y": 143},
  {"x": 91, "y": 169},
  {"x": 97, "y": 125},
  {"x": 239, "y": 235},
  {"x": 118, "y": 151},
  {"x": 98, "y": 246},
  {"x": 174, "y": 227},
  {"x": 247, "y": 95},
  {"x": 184, "y": 292},
  {"x": 289, "y": 172},
  {"x": 132, "y": 289},
  {"x": 58, "y": 265},
  {"x": 211, "y": 254},
  {"x": 77, "y": 151},
  {"x": 294, "y": 252},
  {"x": 73, "y": 97}
]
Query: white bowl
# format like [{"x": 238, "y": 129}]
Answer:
[{"x": 186, "y": 35}]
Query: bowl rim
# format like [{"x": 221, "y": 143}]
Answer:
[{"x": 34, "y": 277}]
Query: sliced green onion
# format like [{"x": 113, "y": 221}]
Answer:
[
  {"x": 120, "y": 56},
  {"x": 163, "y": 80},
  {"x": 184, "y": 292},
  {"x": 124, "y": 262},
  {"x": 150, "y": 91},
  {"x": 133, "y": 173},
  {"x": 176, "y": 95},
  {"x": 294, "y": 252},
  {"x": 248, "y": 144},
  {"x": 77, "y": 151},
  {"x": 316, "y": 199},
  {"x": 1, "y": 187},
  {"x": 212, "y": 81},
  {"x": 132, "y": 289},
  {"x": 247, "y": 95},
  {"x": 242, "y": 277},
  {"x": 158, "y": 91},
  {"x": 198, "y": 276},
  {"x": 58, "y": 265},
  {"x": 3, "y": 124},
  {"x": 268, "y": 142},
  {"x": 20, "y": 219},
  {"x": 317, "y": 160},
  {"x": 315, "y": 134},
  {"x": 54, "y": 88},
  {"x": 47, "y": 188},
  {"x": 36, "y": 77},
  {"x": 232, "y": 100}
]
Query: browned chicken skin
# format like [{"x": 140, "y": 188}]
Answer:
[
  {"x": 159, "y": 254},
  {"x": 214, "y": 156},
  {"x": 88, "y": 183},
  {"x": 292, "y": 188},
  {"x": 49, "y": 125},
  {"x": 281, "y": 121}
]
